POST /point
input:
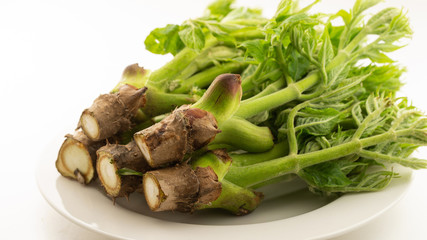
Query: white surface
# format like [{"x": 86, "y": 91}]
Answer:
[
  {"x": 56, "y": 53},
  {"x": 286, "y": 208}
]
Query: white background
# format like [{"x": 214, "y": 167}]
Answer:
[{"x": 57, "y": 56}]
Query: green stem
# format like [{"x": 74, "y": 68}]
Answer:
[
  {"x": 204, "y": 78},
  {"x": 222, "y": 97},
  {"x": 253, "y": 81},
  {"x": 171, "y": 69},
  {"x": 293, "y": 143},
  {"x": 218, "y": 160},
  {"x": 207, "y": 58},
  {"x": 279, "y": 150},
  {"x": 235, "y": 199},
  {"x": 282, "y": 63},
  {"x": 158, "y": 102},
  {"x": 244, "y": 135},
  {"x": 271, "y": 88},
  {"x": 251, "y": 107},
  {"x": 247, "y": 176},
  {"x": 248, "y": 34}
]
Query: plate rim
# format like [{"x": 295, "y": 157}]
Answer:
[{"x": 400, "y": 187}]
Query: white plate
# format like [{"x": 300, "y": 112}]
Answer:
[{"x": 288, "y": 211}]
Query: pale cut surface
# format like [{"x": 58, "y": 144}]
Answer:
[
  {"x": 90, "y": 126},
  {"x": 107, "y": 175},
  {"x": 151, "y": 192},
  {"x": 139, "y": 139},
  {"x": 74, "y": 158}
]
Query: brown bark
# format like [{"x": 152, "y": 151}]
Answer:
[
  {"x": 177, "y": 189},
  {"x": 210, "y": 188},
  {"x": 112, "y": 113},
  {"x": 180, "y": 188},
  {"x": 184, "y": 131},
  {"x": 113, "y": 157}
]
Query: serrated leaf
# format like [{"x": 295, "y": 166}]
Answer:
[
  {"x": 318, "y": 122},
  {"x": 378, "y": 57},
  {"x": 326, "y": 52},
  {"x": 284, "y": 9},
  {"x": 356, "y": 112},
  {"x": 362, "y": 5},
  {"x": 298, "y": 66},
  {"x": 325, "y": 175}
]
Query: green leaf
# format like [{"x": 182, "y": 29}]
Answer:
[
  {"x": 325, "y": 175},
  {"x": 326, "y": 53},
  {"x": 192, "y": 35},
  {"x": 164, "y": 40},
  {"x": 345, "y": 16},
  {"x": 242, "y": 13},
  {"x": 318, "y": 122},
  {"x": 379, "y": 23},
  {"x": 378, "y": 57},
  {"x": 220, "y": 8},
  {"x": 298, "y": 66},
  {"x": 348, "y": 174},
  {"x": 285, "y": 8},
  {"x": 219, "y": 33},
  {"x": 381, "y": 79},
  {"x": 258, "y": 49},
  {"x": 128, "y": 172},
  {"x": 362, "y": 5}
]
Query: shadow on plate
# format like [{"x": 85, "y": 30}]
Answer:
[{"x": 282, "y": 200}]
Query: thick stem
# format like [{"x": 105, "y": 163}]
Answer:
[
  {"x": 181, "y": 188},
  {"x": 244, "y": 135},
  {"x": 235, "y": 199},
  {"x": 217, "y": 159},
  {"x": 112, "y": 158},
  {"x": 208, "y": 58},
  {"x": 173, "y": 68},
  {"x": 271, "y": 88},
  {"x": 254, "y": 174},
  {"x": 176, "y": 136},
  {"x": 112, "y": 113},
  {"x": 244, "y": 159},
  {"x": 77, "y": 157},
  {"x": 248, "y": 34},
  {"x": 171, "y": 189},
  {"x": 205, "y": 78},
  {"x": 251, "y": 107},
  {"x": 158, "y": 102},
  {"x": 133, "y": 75},
  {"x": 222, "y": 97}
]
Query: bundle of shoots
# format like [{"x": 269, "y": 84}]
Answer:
[
  {"x": 375, "y": 132},
  {"x": 338, "y": 118},
  {"x": 202, "y": 49},
  {"x": 323, "y": 90}
]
